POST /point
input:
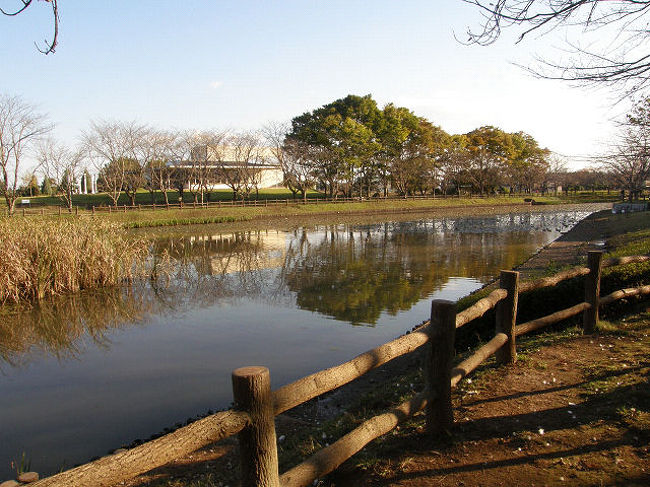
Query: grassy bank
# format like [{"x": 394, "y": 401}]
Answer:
[
  {"x": 63, "y": 256},
  {"x": 86, "y": 201},
  {"x": 138, "y": 218}
]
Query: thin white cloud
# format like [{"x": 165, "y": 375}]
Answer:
[{"x": 216, "y": 84}]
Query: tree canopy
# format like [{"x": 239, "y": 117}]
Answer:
[{"x": 355, "y": 147}]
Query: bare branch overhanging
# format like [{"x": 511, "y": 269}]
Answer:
[
  {"x": 626, "y": 64},
  {"x": 50, "y": 46}
]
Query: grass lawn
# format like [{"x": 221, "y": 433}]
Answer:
[{"x": 262, "y": 208}]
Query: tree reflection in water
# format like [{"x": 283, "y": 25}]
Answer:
[
  {"x": 60, "y": 326},
  {"x": 352, "y": 273}
]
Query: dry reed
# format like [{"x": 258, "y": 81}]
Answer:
[{"x": 47, "y": 258}]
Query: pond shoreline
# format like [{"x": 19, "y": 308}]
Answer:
[{"x": 290, "y": 222}]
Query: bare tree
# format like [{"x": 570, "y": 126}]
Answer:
[
  {"x": 25, "y": 4},
  {"x": 112, "y": 146},
  {"x": 293, "y": 156},
  {"x": 64, "y": 166},
  {"x": 629, "y": 161},
  {"x": 20, "y": 127},
  {"x": 160, "y": 168},
  {"x": 623, "y": 59},
  {"x": 555, "y": 175},
  {"x": 199, "y": 156},
  {"x": 240, "y": 167}
]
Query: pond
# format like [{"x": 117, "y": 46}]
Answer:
[{"x": 85, "y": 374}]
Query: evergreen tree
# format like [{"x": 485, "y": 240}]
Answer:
[{"x": 46, "y": 186}]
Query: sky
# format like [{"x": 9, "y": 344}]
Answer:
[{"x": 240, "y": 64}]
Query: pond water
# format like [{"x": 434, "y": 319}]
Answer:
[{"x": 84, "y": 374}]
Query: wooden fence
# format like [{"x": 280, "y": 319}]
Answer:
[
  {"x": 264, "y": 202},
  {"x": 257, "y": 404}
]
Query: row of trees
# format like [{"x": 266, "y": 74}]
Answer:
[
  {"x": 131, "y": 156},
  {"x": 351, "y": 146},
  {"x": 347, "y": 147}
]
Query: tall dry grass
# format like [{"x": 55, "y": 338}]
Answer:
[{"x": 46, "y": 258}]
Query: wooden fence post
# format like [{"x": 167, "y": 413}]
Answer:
[
  {"x": 257, "y": 444},
  {"x": 592, "y": 290},
  {"x": 93, "y": 210},
  {"x": 506, "y": 311},
  {"x": 442, "y": 331}
]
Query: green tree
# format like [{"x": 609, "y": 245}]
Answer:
[
  {"x": 31, "y": 187},
  {"x": 528, "y": 163},
  {"x": 344, "y": 133},
  {"x": 46, "y": 186},
  {"x": 412, "y": 147},
  {"x": 489, "y": 150}
]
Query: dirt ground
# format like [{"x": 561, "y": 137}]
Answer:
[{"x": 573, "y": 412}]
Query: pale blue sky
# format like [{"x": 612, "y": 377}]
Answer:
[{"x": 239, "y": 64}]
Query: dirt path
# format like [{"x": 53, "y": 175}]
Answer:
[{"x": 573, "y": 413}]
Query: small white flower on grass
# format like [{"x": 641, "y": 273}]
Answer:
[
  {"x": 569, "y": 412},
  {"x": 469, "y": 381},
  {"x": 541, "y": 431},
  {"x": 282, "y": 437}
]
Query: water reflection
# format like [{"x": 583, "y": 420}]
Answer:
[
  {"x": 63, "y": 326},
  {"x": 352, "y": 273},
  {"x": 86, "y": 373}
]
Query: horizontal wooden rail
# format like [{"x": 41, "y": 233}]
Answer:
[
  {"x": 482, "y": 354},
  {"x": 481, "y": 307},
  {"x": 625, "y": 260},
  {"x": 624, "y": 293},
  {"x": 123, "y": 466},
  {"x": 329, "y": 458},
  {"x": 550, "y": 319},
  {"x": 553, "y": 280},
  {"x": 302, "y": 390}
]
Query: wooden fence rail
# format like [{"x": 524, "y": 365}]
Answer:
[{"x": 256, "y": 405}]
